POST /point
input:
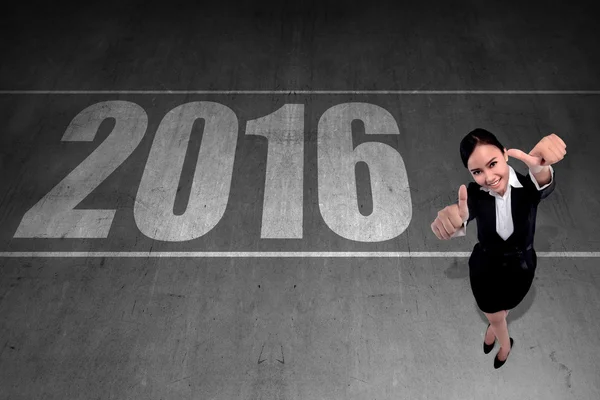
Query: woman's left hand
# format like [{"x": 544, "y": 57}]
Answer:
[{"x": 550, "y": 150}]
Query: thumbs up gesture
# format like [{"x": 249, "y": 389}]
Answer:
[
  {"x": 550, "y": 150},
  {"x": 451, "y": 218}
]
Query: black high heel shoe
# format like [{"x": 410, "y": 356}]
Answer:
[
  {"x": 498, "y": 363},
  {"x": 487, "y": 347}
]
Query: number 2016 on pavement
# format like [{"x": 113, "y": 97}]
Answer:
[{"x": 55, "y": 216}]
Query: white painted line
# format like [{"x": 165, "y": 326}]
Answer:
[
  {"x": 269, "y": 254},
  {"x": 301, "y": 92}
]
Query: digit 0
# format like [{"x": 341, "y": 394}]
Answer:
[{"x": 155, "y": 200}]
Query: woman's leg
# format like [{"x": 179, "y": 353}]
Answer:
[
  {"x": 490, "y": 337},
  {"x": 498, "y": 325}
]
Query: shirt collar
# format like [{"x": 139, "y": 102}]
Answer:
[{"x": 512, "y": 181}]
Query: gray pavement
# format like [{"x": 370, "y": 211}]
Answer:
[{"x": 122, "y": 313}]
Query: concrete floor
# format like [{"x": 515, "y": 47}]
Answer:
[{"x": 111, "y": 326}]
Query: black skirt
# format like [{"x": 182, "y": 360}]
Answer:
[{"x": 498, "y": 281}]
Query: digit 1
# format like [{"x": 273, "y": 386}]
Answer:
[
  {"x": 338, "y": 202},
  {"x": 283, "y": 198}
]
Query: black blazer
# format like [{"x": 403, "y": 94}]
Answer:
[{"x": 524, "y": 203}]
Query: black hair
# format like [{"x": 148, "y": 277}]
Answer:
[{"x": 474, "y": 138}]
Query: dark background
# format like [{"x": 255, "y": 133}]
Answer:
[{"x": 273, "y": 45}]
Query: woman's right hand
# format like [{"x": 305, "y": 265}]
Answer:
[{"x": 451, "y": 218}]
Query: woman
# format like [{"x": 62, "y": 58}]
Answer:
[{"x": 503, "y": 262}]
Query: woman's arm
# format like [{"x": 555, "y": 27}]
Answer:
[
  {"x": 543, "y": 188},
  {"x": 543, "y": 177}
]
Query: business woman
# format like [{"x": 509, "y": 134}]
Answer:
[{"x": 504, "y": 204}]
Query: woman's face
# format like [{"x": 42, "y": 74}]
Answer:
[{"x": 487, "y": 164}]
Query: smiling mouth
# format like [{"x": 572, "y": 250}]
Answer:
[{"x": 497, "y": 184}]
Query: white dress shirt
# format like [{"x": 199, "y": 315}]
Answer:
[{"x": 504, "y": 222}]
